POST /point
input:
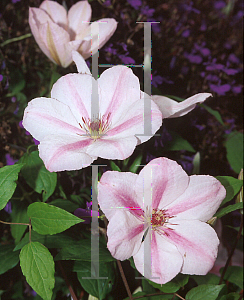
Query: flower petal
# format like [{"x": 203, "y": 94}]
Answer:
[
  {"x": 36, "y": 18},
  {"x": 173, "y": 109},
  {"x": 98, "y": 37},
  {"x": 197, "y": 242},
  {"x": 44, "y": 116},
  {"x": 200, "y": 200},
  {"x": 80, "y": 63},
  {"x": 79, "y": 17},
  {"x": 65, "y": 152},
  {"x": 132, "y": 121},
  {"x": 56, "y": 12},
  {"x": 55, "y": 39},
  {"x": 75, "y": 90},
  {"x": 116, "y": 190},
  {"x": 168, "y": 182},
  {"x": 166, "y": 260},
  {"x": 125, "y": 233},
  {"x": 116, "y": 148},
  {"x": 119, "y": 89}
]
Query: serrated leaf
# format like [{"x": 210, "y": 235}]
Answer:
[
  {"x": 234, "y": 148},
  {"x": 204, "y": 291},
  {"x": 9, "y": 258},
  {"x": 228, "y": 209},
  {"x": 37, "y": 176},
  {"x": 213, "y": 112},
  {"x": 232, "y": 186},
  {"x": 96, "y": 287},
  {"x": 173, "y": 286},
  {"x": 234, "y": 274},
  {"x": 136, "y": 164},
  {"x": 48, "y": 219},
  {"x": 8, "y": 177},
  {"x": 38, "y": 267},
  {"x": 18, "y": 215},
  {"x": 81, "y": 250},
  {"x": 178, "y": 143}
]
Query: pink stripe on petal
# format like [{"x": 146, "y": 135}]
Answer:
[
  {"x": 70, "y": 147},
  {"x": 58, "y": 122},
  {"x": 77, "y": 99},
  {"x": 126, "y": 125}
]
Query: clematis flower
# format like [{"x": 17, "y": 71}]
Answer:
[
  {"x": 176, "y": 212},
  {"x": 173, "y": 109},
  {"x": 58, "y": 33},
  {"x": 168, "y": 107},
  {"x": 71, "y": 136}
]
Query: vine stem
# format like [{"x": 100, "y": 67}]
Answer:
[
  {"x": 124, "y": 279},
  {"x": 16, "y": 39},
  {"x": 232, "y": 251},
  {"x": 9, "y": 223},
  {"x": 72, "y": 293}
]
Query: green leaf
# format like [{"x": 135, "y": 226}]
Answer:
[
  {"x": 9, "y": 258},
  {"x": 38, "y": 267},
  {"x": 114, "y": 167},
  {"x": 8, "y": 177},
  {"x": 231, "y": 296},
  {"x": 234, "y": 148},
  {"x": 206, "y": 279},
  {"x": 59, "y": 240},
  {"x": 19, "y": 215},
  {"x": 136, "y": 164},
  {"x": 81, "y": 250},
  {"x": 234, "y": 274},
  {"x": 37, "y": 176},
  {"x": 213, "y": 112},
  {"x": 204, "y": 291},
  {"x": 156, "y": 297},
  {"x": 173, "y": 286},
  {"x": 48, "y": 219},
  {"x": 96, "y": 287},
  {"x": 228, "y": 209},
  {"x": 232, "y": 186},
  {"x": 65, "y": 204},
  {"x": 178, "y": 143}
]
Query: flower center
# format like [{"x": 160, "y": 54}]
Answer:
[
  {"x": 97, "y": 126},
  {"x": 158, "y": 218}
]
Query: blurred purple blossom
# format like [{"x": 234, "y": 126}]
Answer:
[
  {"x": 146, "y": 11},
  {"x": 156, "y": 79},
  {"x": 213, "y": 66},
  {"x": 135, "y": 3},
  {"x": 213, "y": 78},
  {"x": 203, "y": 26},
  {"x": 231, "y": 123},
  {"x": 219, "y": 4},
  {"x": 10, "y": 160},
  {"x": 195, "y": 59},
  {"x": 231, "y": 71},
  {"x": 8, "y": 207},
  {"x": 186, "y": 33},
  {"x": 236, "y": 89},
  {"x": 107, "y": 3},
  {"x": 1, "y": 77},
  {"x": 205, "y": 51},
  {"x": 233, "y": 58},
  {"x": 85, "y": 213},
  {"x": 189, "y": 8},
  {"x": 220, "y": 89},
  {"x": 15, "y": 1},
  {"x": 187, "y": 163},
  {"x": 126, "y": 59}
]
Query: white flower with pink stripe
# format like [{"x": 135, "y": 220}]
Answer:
[
  {"x": 71, "y": 137},
  {"x": 176, "y": 210}
]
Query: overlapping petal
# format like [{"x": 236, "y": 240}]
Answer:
[
  {"x": 56, "y": 12},
  {"x": 125, "y": 234},
  {"x": 165, "y": 261},
  {"x": 173, "y": 109},
  {"x": 197, "y": 200},
  {"x": 197, "y": 242},
  {"x": 167, "y": 181},
  {"x": 65, "y": 152}
]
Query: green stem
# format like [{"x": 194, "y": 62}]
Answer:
[{"x": 16, "y": 39}]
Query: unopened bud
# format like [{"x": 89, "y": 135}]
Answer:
[{"x": 212, "y": 221}]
